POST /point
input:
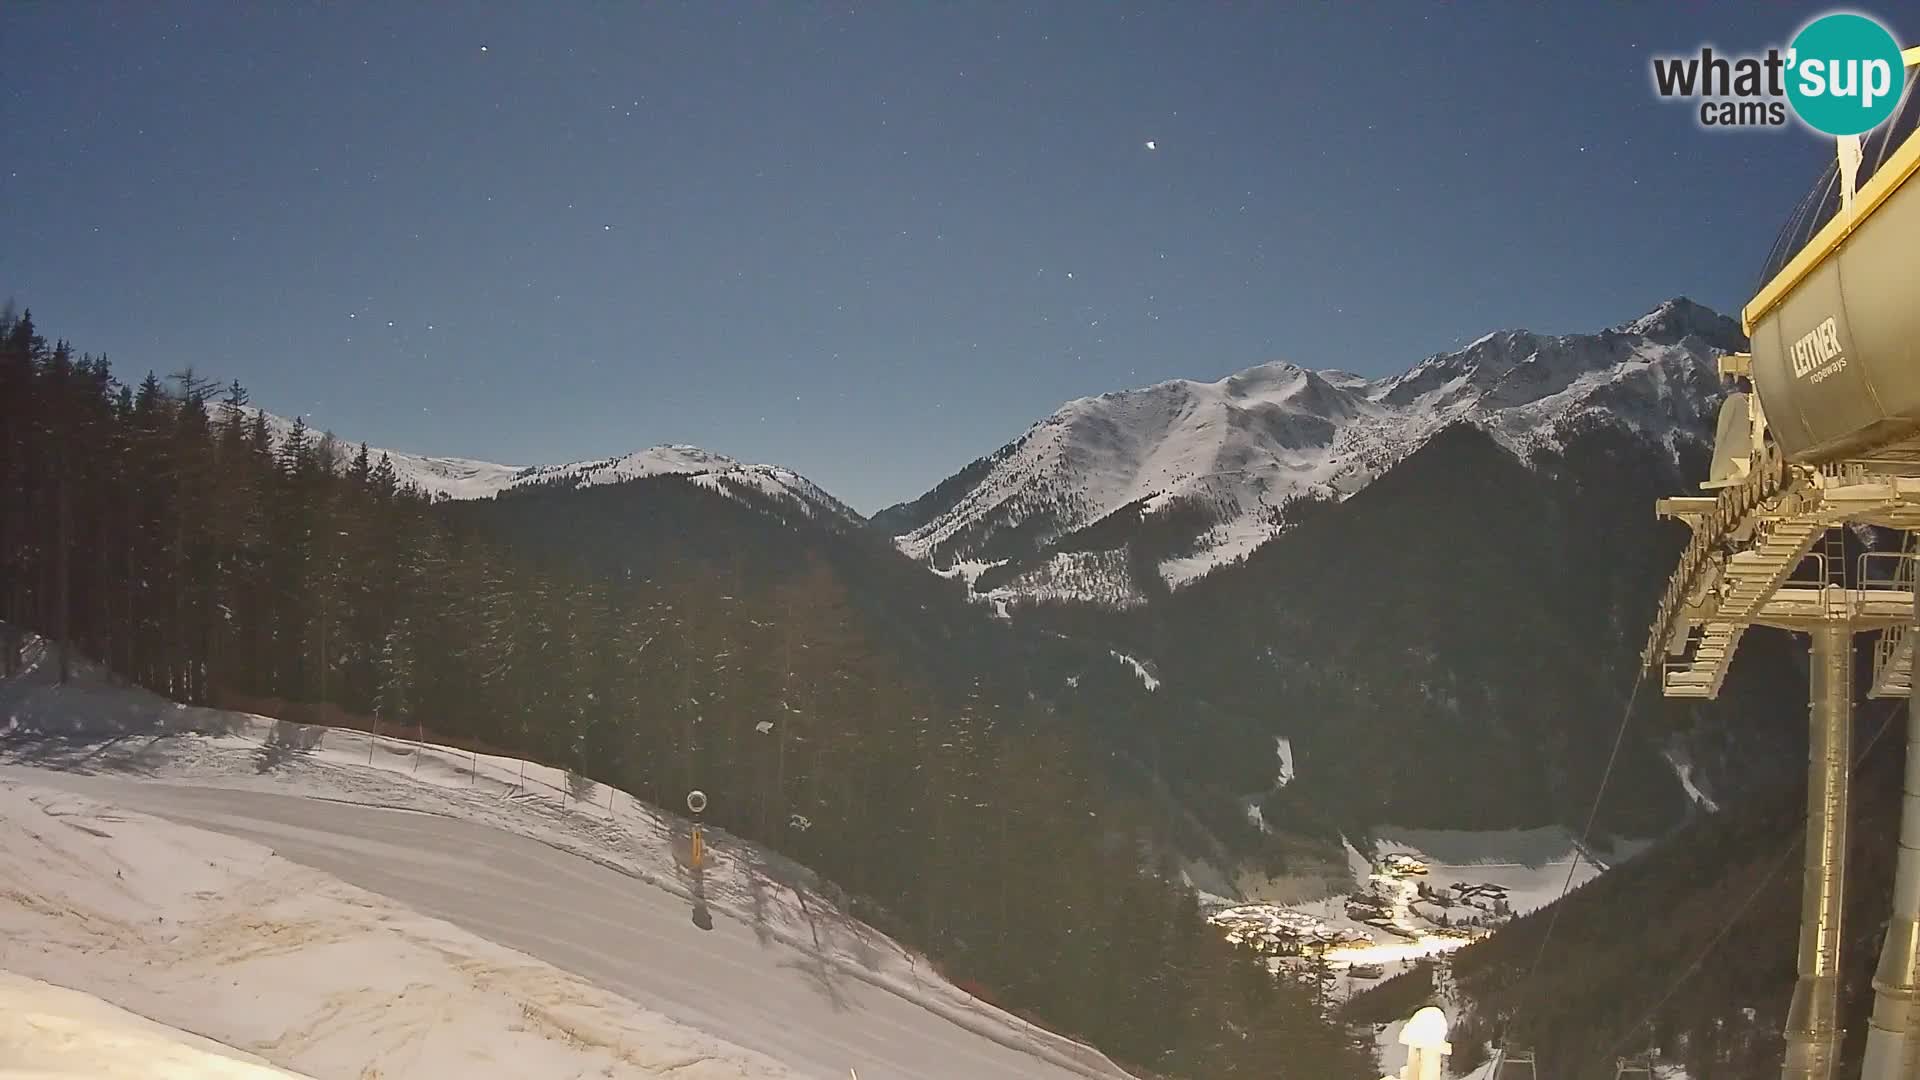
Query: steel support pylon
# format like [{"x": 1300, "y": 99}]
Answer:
[
  {"x": 1893, "y": 1044},
  {"x": 1813, "y": 1021}
]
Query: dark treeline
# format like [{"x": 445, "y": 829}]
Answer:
[
  {"x": 170, "y": 532},
  {"x": 1455, "y": 645}
]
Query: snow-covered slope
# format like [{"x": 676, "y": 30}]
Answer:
[
  {"x": 465, "y": 478},
  {"x": 220, "y": 935},
  {"x": 445, "y": 477},
  {"x": 49, "y": 1031},
  {"x": 716, "y": 472},
  {"x": 1208, "y": 471},
  {"x": 346, "y": 904}
]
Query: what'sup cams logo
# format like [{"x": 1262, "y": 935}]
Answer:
[{"x": 1842, "y": 75}]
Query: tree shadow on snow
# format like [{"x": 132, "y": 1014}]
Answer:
[
  {"x": 140, "y": 755},
  {"x": 285, "y": 742},
  {"x": 820, "y": 973},
  {"x": 768, "y": 873}
]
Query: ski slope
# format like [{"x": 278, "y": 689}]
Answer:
[
  {"x": 49, "y": 1031},
  {"x": 339, "y": 903},
  {"x": 222, "y": 936}
]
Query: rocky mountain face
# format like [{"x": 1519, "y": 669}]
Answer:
[{"x": 1118, "y": 498}]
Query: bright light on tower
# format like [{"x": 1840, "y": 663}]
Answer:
[
  {"x": 1427, "y": 1029},
  {"x": 1425, "y": 1037}
]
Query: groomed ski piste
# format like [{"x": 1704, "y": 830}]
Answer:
[
  {"x": 339, "y": 905},
  {"x": 49, "y": 1031}
]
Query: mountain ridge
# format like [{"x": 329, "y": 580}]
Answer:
[
  {"x": 468, "y": 478},
  {"x": 1212, "y": 469}
]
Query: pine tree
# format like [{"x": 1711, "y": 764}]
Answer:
[
  {"x": 199, "y": 559},
  {"x": 382, "y": 481}
]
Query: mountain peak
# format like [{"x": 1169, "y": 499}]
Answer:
[
  {"x": 705, "y": 468},
  {"x": 1169, "y": 481},
  {"x": 463, "y": 478},
  {"x": 1673, "y": 320},
  {"x": 1263, "y": 379}
]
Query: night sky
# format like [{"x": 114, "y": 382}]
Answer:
[{"x": 869, "y": 243}]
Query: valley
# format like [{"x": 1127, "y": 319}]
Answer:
[
  {"x": 1423, "y": 895},
  {"x": 1244, "y": 680}
]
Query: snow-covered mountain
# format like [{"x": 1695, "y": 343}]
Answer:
[
  {"x": 717, "y": 472},
  {"x": 1190, "y": 475},
  {"x": 465, "y": 478}
]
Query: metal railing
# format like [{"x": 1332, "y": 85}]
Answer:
[{"x": 1893, "y": 643}]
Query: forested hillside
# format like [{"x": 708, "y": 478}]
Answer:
[
  {"x": 1192, "y": 763},
  {"x": 1454, "y": 645},
  {"x": 157, "y": 529},
  {"x": 1689, "y": 947}
]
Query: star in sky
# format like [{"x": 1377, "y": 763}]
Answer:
[{"x": 886, "y": 215}]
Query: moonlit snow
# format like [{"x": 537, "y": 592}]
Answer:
[
  {"x": 466, "y": 478},
  {"x": 50, "y": 1031},
  {"x": 1244, "y": 445},
  {"x": 344, "y": 905}
]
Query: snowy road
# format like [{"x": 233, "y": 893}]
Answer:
[{"x": 620, "y": 933}]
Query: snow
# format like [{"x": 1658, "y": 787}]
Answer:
[
  {"x": 968, "y": 570},
  {"x": 1388, "y": 1050},
  {"x": 1226, "y": 543},
  {"x": 1486, "y": 1071},
  {"x": 207, "y": 932},
  {"x": 407, "y": 874},
  {"x": 1177, "y": 438},
  {"x": 1243, "y": 446},
  {"x": 464, "y": 478},
  {"x": 1100, "y": 576},
  {"x": 1257, "y": 817},
  {"x": 1683, "y": 770},
  {"x": 1357, "y": 864},
  {"x": 1480, "y": 880},
  {"x": 715, "y": 472},
  {"x": 1531, "y": 865},
  {"x": 448, "y": 477},
  {"x": 49, "y": 1031},
  {"x": 1146, "y": 677}
]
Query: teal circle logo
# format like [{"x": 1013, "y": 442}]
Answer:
[{"x": 1844, "y": 74}]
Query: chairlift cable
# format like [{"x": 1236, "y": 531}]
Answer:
[
  {"x": 1580, "y": 850},
  {"x": 1795, "y": 838}
]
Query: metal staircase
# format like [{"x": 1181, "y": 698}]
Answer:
[
  {"x": 1636, "y": 1065},
  {"x": 1849, "y": 456},
  {"x": 1513, "y": 1065},
  {"x": 1752, "y": 576},
  {"x": 1893, "y": 653}
]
